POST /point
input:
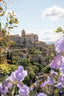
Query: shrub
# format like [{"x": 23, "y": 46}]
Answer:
[
  {"x": 24, "y": 51},
  {"x": 27, "y": 80},
  {"x": 31, "y": 72},
  {"x": 46, "y": 69},
  {"x": 11, "y": 43},
  {"x": 5, "y": 69},
  {"x": 37, "y": 65},
  {"x": 24, "y": 62},
  {"x": 34, "y": 51},
  {"x": 35, "y": 68},
  {"x": 15, "y": 60}
]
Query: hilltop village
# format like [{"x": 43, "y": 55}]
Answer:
[
  {"x": 28, "y": 40},
  {"x": 29, "y": 46}
]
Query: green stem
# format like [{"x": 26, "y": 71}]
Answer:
[{"x": 13, "y": 91}]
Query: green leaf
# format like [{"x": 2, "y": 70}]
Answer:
[
  {"x": 10, "y": 27},
  {"x": 15, "y": 26},
  {"x": 1, "y": 9}
]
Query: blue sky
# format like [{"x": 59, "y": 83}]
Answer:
[{"x": 39, "y": 16}]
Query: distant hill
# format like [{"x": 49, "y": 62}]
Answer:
[{"x": 52, "y": 42}]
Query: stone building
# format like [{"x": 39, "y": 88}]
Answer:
[
  {"x": 33, "y": 37},
  {"x": 26, "y": 39},
  {"x": 17, "y": 38},
  {"x": 39, "y": 45}
]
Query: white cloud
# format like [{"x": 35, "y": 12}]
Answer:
[
  {"x": 48, "y": 36},
  {"x": 53, "y": 13}
]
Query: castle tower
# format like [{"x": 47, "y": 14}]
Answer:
[{"x": 23, "y": 33}]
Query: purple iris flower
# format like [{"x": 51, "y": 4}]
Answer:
[
  {"x": 18, "y": 75},
  {"x": 57, "y": 62},
  {"x": 61, "y": 93},
  {"x": 31, "y": 88},
  {"x": 62, "y": 62},
  {"x": 62, "y": 69},
  {"x": 50, "y": 81},
  {"x": 23, "y": 90},
  {"x": 42, "y": 94},
  {"x": 43, "y": 84},
  {"x": 53, "y": 73},
  {"x": 59, "y": 45},
  {"x": 3, "y": 89},
  {"x": 61, "y": 79},
  {"x": 7, "y": 84},
  {"x": 60, "y": 84}
]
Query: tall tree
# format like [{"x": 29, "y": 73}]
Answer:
[{"x": 10, "y": 22}]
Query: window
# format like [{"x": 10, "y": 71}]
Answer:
[{"x": 34, "y": 37}]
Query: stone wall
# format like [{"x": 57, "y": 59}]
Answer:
[
  {"x": 39, "y": 45},
  {"x": 33, "y": 37}
]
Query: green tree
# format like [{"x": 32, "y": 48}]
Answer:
[
  {"x": 24, "y": 62},
  {"x": 10, "y": 22},
  {"x": 11, "y": 43},
  {"x": 59, "y": 29},
  {"x": 27, "y": 80},
  {"x": 46, "y": 69},
  {"x": 37, "y": 65},
  {"x": 31, "y": 72},
  {"x": 34, "y": 51}
]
